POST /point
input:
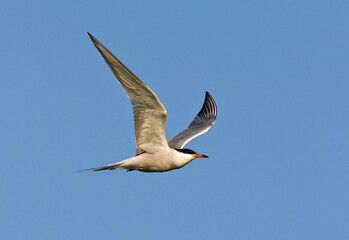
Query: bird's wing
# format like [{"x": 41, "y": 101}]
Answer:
[
  {"x": 149, "y": 114},
  {"x": 201, "y": 124}
]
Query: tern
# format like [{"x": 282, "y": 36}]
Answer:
[{"x": 154, "y": 153}]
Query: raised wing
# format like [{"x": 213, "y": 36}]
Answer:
[
  {"x": 149, "y": 114},
  {"x": 201, "y": 124}
]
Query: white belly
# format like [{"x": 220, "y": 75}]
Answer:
[{"x": 161, "y": 161}]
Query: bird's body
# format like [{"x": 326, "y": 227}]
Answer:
[
  {"x": 159, "y": 161},
  {"x": 154, "y": 153}
]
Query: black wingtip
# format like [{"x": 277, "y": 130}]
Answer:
[
  {"x": 91, "y": 36},
  {"x": 207, "y": 93},
  {"x": 208, "y": 96},
  {"x": 209, "y": 107}
]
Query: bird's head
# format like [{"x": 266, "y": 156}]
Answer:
[{"x": 191, "y": 154}]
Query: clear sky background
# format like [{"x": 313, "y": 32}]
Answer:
[{"x": 278, "y": 166}]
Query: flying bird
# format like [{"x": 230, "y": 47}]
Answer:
[{"x": 154, "y": 153}]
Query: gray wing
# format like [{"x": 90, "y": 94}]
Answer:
[
  {"x": 149, "y": 114},
  {"x": 201, "y": 124}
]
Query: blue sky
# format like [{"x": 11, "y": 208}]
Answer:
[{"x": 278, "y": 166}]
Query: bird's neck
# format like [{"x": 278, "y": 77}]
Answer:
[{"x": 182, "y": 159}]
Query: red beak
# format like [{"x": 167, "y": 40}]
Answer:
[{"x": 200, "y": 156}]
